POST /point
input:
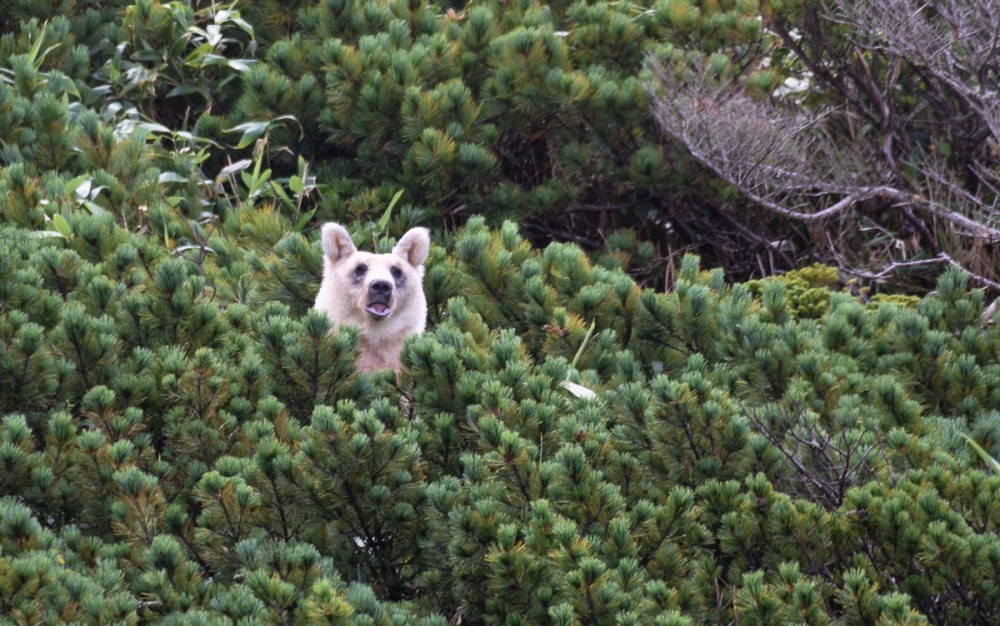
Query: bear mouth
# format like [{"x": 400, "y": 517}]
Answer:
[{"x": 378, "y": 310}]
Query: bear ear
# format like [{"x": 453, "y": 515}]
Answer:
[
  {"x": 414, "y": 246},
  {"x": 337, "y": 244}
]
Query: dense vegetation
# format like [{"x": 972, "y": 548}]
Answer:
[{"x": 182, "y": 441}]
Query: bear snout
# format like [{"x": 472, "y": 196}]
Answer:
[
  {"x": 379, "y": 298},
  {"x": 380, "y": 289}
]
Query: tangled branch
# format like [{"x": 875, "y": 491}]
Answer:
[{"x": 813, "y": 165}]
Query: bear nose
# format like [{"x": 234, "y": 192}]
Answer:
[{"x": 380, "y": 288}]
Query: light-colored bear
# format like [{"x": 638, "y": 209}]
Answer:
[{"x": 383, "y": 294}]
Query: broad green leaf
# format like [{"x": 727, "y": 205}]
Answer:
[
  {"x": 71, "y": 186},
  {"x": 283, "y": 195},
  {"x": 61, "y": 225},
  {"x": 384, "y": 220},
  {"x": 291, "y": 118},
  {"x": 244, "y": 25},
  {"x": 306, "y": 217},
  {"x": 251, "y": 131},
  {"x": 240, "y": 65},
  {"x": 153, "y": 127},
  {"x": 983, "y": 454},
  {"x": 213, "y": 59},
  {"x": 198, "y": 53},
  {"x": 94, "y": 208},
  {"x": 34, "y": 57},
  {"x": 583, "y": 344},
  {"x": 182, "y": 90},
  {"x": 33, "y": 53}
]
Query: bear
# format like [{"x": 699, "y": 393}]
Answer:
[{"x": 382, "y": 294}]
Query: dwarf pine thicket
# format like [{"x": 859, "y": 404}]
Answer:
[{"x": 183, "y": 441}]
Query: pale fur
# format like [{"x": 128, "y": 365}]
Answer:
[{"x": 344, "y": 301}]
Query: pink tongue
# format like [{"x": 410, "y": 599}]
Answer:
[{"x": 379, "y": 309}]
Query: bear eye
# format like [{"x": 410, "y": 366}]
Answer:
[
  {"x": 360, "y": 270},
  {"x": 396, "y": 272}
]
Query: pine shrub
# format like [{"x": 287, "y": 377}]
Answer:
[
  {"x": 173, "y": 454},
  {"x": 184, "y": 441}
]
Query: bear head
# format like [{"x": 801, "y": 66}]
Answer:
[{"x": 382, "y": 294}]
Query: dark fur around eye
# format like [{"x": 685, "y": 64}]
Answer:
[
  {"x": 359, "y": 273},
  {"x": 397, "y": 276}
]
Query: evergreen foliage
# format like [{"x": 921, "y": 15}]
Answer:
[
  {"x": 184, "y": 441},
  {"x": 172, "y": 456}
]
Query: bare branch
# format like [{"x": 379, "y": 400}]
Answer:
[
  {"x": 780, "y": 159},
  {"x": 957, "y": 42},
  {"x": 922, "y": 172},
  {"x": 821, "y": 457}
]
